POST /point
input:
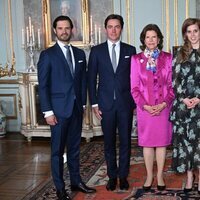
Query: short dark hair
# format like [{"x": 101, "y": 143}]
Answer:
[
  {"x": 62, "y": 18},
  {"x": 114, "y": 16},
  {"x": 151, "y": 27}
]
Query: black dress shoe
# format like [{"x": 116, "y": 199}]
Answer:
[
  {"x": 111, "y": 185},
  {"x": 62, "y": 195},
  {"x": 123, "y": 184},
  {"x": 81, "y": 187},
  {"x": 161, "y": 187}
]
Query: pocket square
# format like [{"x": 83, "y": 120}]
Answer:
[
  {"x": 80, "y": 61},
  {"x": 127, "y": 57}
]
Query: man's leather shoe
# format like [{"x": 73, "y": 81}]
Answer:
[
  {"x": 123, "y": 184},
  {"x": 81, "y": 187},
  {"x": 111, "y": 185},
  {"x": 62, "y": 195}
]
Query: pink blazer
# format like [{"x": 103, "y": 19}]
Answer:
[{"x": 142, "y": 80}]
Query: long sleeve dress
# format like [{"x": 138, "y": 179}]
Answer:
[
  {"x": 148, "y": 88},
  {"x": 186, "y": 122}
]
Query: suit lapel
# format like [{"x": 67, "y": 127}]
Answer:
[
  {"x": 61, "y": 56},
  {"x": 105, "y": 54},
  {"x": 121, "y": 55},
  {"x": 59, "y": 53}
]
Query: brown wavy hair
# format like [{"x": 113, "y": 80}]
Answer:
[
  {"x": 186, "y": 49},
  {"x": 151, "y": 27}
]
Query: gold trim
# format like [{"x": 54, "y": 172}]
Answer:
[
  {"x": 47, "y": 24},
  {"x": 175, "y": 22},
  {"x": 133, "y": 7},
  {"x": 10, "y": 28},
  {"x": 167, "y": 26},
  {"x": 9, "y": 70},
  {"x": 128, "y": 20},
  {"x": 186, "y": 9},
  {"x": 10, "y": 81},
  {"x": 163, "y": 6}
]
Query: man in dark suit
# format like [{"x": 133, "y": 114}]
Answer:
[
  {"x": 110, "y": 96},
  {"x": 62, "y": 92}
]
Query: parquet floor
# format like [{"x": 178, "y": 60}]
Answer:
[{"x": 23, "y": 165}]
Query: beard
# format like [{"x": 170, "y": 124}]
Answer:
[{"x": 64, "y": 37}]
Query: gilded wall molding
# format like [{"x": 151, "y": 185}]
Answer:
[
  {"x": 167, "y": 25},
  {"x": 176, "y": 22},
  {"x": 133, "y": 24},
  {"x": 9, "y": 68},
  {"x": 128, "y": 20},
  {"x": 163, "y": 8},
  {"x": 186, "y": 9}
]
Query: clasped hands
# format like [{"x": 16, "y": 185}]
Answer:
[
  {"x": 156, "y": 109},
  {"x": 191, "y": 103}
]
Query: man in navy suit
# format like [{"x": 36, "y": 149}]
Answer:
[
  {"x": 62, "y": 92},
  {"x": 109, "y": 92}
]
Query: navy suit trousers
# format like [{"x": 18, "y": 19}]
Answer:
[
  {"x": 67, "y": 133},
  {"x": 113, "y": 120}
]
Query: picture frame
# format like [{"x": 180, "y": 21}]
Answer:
[
  {"x": 77, "y": 10},
  {"x": 9, "y": 105}
]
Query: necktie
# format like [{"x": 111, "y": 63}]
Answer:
[
  {"x": 69, "y": 59},
  {"x": 114, "y": 59}
]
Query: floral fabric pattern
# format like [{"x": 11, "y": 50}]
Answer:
[
  {"x": 152, "y": 59},
  {"x": 186, "y": 122}
]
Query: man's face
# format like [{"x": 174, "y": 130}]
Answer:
[
  {"x": 63, "y": 31},
  {"x": 113, "y": 30}
]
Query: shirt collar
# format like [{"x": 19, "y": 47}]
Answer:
[
  {"x": 110, "y": 43},
  {"x": 61, "y": 44}
]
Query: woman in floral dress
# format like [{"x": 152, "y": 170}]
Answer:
[{"x": 185, "y": 114}]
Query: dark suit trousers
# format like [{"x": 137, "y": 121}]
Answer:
[
  {"x": 122, "y": 120},
  {"x": 67, "y": 133}
]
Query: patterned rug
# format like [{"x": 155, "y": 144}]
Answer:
[
  {"x": 93, "y": 172},
  {"x": 91, "y": 158}
]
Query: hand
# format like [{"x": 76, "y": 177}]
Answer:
[
  {"x": 155, "y": 110},
  {"x": 51, "y": 120},
  {"x": 190, "y": 103},
  {"x": 196, "y": 101},
  {"x": 149, "y": 109},
  {"x": 159, "y": 107},
  {"x": 97, "y": 112}
]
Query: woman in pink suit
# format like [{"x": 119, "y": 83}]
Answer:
[{"x": 151, "y": 88}]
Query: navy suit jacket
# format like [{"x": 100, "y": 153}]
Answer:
[
  {"x": 100, "y": 66},
  {"x": 57, "y": 87}
]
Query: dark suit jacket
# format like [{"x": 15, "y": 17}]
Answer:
[
  {"x": 100, "y": 66},
  {"x": 57, "y": 87}
]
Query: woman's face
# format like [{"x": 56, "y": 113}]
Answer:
[
  {"x": 151, "y": 40},
  {"x": 193, "y": 35}
]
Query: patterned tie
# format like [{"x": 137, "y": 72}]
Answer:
[
  {"x": 114, "y": 59},
  {"x": 69, "y": 59}
]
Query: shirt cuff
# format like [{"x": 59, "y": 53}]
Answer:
[
  {"x": 48, "y": 113},
  {"x": 94, "y": 105}
]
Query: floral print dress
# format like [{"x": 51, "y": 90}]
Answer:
[{"x": 186, "y": 122}]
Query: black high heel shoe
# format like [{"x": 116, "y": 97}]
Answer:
[
  {"x": 186, "y": 190},
  {"x": 148, "y": 188},
  {"x": 161, "y": 187}
]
